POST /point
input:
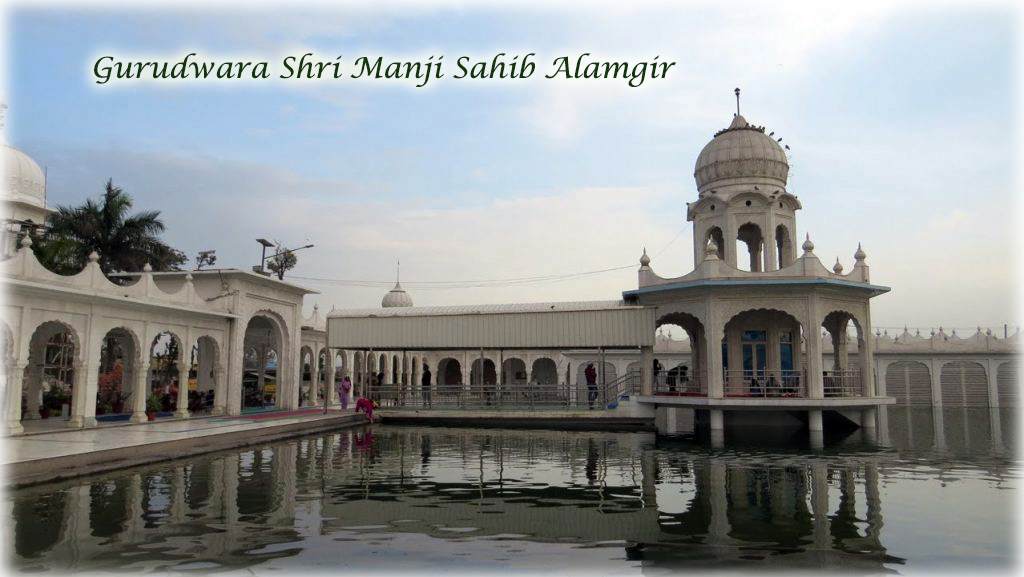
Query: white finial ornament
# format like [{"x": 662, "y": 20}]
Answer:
[
  {"x": 147, "y": 268},
  {"x": 711, "y": 251},
  {"x": 26, "y": 241},
  {"x": 859, "y": 255},
  {"x": 808, "y": 245},
  {"x": 644, "y": 259},
  {"x": 94, "y": 256},
  {"x": 838, "y": 267}
]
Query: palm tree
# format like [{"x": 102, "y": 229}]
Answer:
[{"x": 124, "y": 242}]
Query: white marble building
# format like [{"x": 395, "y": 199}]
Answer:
[{"x": 85, "y": 347}]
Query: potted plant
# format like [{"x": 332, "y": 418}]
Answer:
[{"x": 152, "y": 406}]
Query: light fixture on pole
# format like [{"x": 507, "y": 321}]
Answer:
[{"x": 259, "y": 268}]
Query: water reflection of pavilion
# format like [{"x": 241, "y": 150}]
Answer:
[{"x": 685, "y": 505}]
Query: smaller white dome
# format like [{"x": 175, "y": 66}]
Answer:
[
  {"x": 396, "y": 297},
  {"x": 25, "y": 180}
]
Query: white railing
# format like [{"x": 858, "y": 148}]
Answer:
[
  {"x": 693, "y": 385},
  {"x": 764, "y": 383},
  {"x": 526, "y": 396},
  {"x": 846, "y": 383}
]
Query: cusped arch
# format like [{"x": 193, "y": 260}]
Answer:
[
  {"x": 46, "y": 329},
  {"x": 964, "y": 384},
  {"x": 909, "y": 382}
]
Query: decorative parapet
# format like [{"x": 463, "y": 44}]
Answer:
[
  {"x": 942, "y": 342},
  {"x": 711, "y": 267},
  {"x": 981, "y": 342},
  {"x": 24, "y": 267}
]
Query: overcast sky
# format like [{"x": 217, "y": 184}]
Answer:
[{"x": 900, "y": 120}]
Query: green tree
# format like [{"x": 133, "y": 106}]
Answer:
[
  {"x": 124, "y": 242},
  {"x": 283, "y": 260}
]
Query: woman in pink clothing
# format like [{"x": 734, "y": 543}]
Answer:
[
  {"x": 344, "y": 388},
  {"x": 365, "y": 405}
]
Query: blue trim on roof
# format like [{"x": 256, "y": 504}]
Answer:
[{"x": 876, "y": 289}]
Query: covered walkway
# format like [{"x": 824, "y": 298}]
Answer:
[{"x": 424, "y": 373}]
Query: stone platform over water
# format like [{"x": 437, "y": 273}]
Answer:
[{"x": 52, "y": 456}]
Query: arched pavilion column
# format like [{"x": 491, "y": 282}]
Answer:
[
  {"x": 32, "y": 384},
  {"x": 325, "y": 378},
  {"x": 181, "y": 410},
  {"x": 139, "y": 392},
  {"x": 220, "y": 389},
  {"x": 646, "y": 371},
  {"x": 232, "y": 400},
  {"x": 812, "y": 333},
  {"x": 83, "y": 401},
  {"x": 716, "y": 385},
  {"x": 12, "y": 396}
]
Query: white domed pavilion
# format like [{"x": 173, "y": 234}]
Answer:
[{"x": 24, "y": 196}]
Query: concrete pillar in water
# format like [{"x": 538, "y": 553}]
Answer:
[
  {"x": 717, "y": 419},
  {"x": 816, "y": 428},
  {"x": 938, "y": 427},
  {"x": 883, "y": 425},
  {"x": 996, "y": 429},
  {"x": 814, "y": 420},
  {"x": 868, "y": 418}
]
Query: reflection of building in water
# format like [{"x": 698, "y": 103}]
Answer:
[{"x": 676, "y": 506}]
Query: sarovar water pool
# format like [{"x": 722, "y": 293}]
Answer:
[{"x": 426, "y": 499}]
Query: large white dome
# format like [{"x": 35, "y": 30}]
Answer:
[
  {"x": 24, "y": 179},
  {"x": 396, "y": 297},
  {"x": 741, "y": 154}
]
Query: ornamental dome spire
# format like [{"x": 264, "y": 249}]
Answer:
[
  {"x": 711, "y": 250},
  {"x": 644, "y": 259},
  {"x": 859, "y": 255},
  {"x": 741, "y": 154},
  {"x": 397, "y": 297},
  {"x": 808, "y": 245}
]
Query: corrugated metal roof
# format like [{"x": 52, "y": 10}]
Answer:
[
  {"x": 504, "y": 308},
  {"x": 567, "y": 325}
]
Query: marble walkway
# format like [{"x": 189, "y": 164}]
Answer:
[{"x": 70, "y": 442}]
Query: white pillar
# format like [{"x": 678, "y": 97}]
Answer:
[
  {"x": 181, "y": 409},
  {"x": 991, "y": 369},
  {"x": 12, "y": 396},
  {"x": 220, "y": 390},
  {"x": 646, "y": 371},
  {"x": 140, "y": 393},
  {"x": 717, "y": 419},
  {"x": 232, "y": 385},
  {"x": 713, "y": 346},
  {"x": 814, "y": 420},
  {"x": 83, "y": 402},
  {"x": 935, "y": 371}
]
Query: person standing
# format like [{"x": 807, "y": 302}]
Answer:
[
  {"x": 425, "y": 385},
  {"x": 591, "y": 374},
  {"x": 344, "y": 388}
]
